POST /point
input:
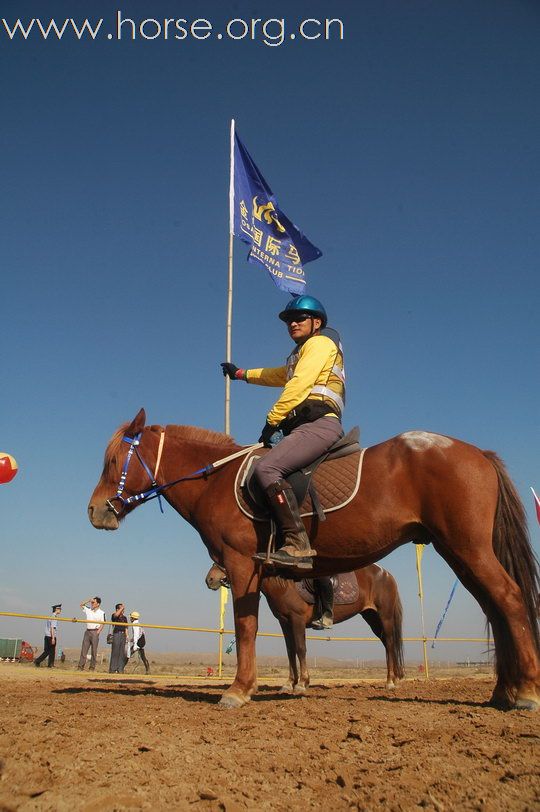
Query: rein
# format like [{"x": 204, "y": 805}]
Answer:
[{"x": 156, "y": 490}]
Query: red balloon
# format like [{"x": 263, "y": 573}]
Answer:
[{"x": 8, "y": 468}]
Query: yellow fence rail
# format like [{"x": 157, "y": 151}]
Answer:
[
  {"x": 222, "y": 631},
  {"x": 204, "y": 630}
]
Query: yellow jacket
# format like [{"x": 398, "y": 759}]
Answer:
[{"x": 315, "y": 365}]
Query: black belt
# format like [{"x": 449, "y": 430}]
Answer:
[{"x": 306, "y": 412}]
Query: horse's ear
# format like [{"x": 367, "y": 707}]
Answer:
[{"x": 138, "y": 423}]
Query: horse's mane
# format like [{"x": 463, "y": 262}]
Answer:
[{"x": 189, "y": 433}]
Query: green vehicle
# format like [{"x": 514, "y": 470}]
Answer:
[{"x": 14, "y": 648}]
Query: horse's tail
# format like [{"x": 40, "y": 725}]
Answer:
[
  {"x": 399, "y": 659},
  {"x": 512, "y": 546}
]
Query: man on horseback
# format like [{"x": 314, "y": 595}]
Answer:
[{"x": 308, "y": 413}]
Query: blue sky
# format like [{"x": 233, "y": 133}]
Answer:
[{"x": 409, "y": 152}]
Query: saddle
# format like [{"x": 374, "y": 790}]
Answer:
[
  {"x": 328, "y": 483},
  {"x": 345, "y": 589}
]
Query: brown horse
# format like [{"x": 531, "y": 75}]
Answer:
[
  {"x": 418, "y": 485},
  {"x": 378, "y": 602}
]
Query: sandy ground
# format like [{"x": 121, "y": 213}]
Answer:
[{"x": 102, "y": 742}]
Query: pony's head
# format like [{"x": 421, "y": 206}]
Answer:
[
  {"x": 103, "y": 512},
  {"x": 216, "y": 577}
]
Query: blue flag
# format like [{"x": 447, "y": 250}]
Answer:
[{"x": 275, "y": 242}]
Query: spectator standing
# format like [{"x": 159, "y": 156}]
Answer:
[
  {"x": 137, "y": 640},
  {"x": 95, "y": 617},
  {"x": 119, "y": 640},
  {"x": 49, "y": 644}
]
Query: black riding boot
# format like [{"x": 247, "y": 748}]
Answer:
[
  {"x": 324, "y": 588},
  {"x": 296, "y": 550}
]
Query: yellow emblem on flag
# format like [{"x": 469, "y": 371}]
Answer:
[{"x": 267, "y": 212}]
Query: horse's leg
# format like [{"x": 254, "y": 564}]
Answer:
[
  {"x": 504, "y": 694},
  {"x": 288, "y": 687},
  {"x": 518, "y": 668},
  {"x": 245, "y": 586}
]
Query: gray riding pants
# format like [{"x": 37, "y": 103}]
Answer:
[{"x": 300, "y": 448}]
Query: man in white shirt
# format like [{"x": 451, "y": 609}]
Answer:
[
  {"x": 49, "y": 645},
  {"x": 96, "y": 619}
]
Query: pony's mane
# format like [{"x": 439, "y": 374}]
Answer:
[
  {"x": 115, "y": 443},
  {"x": 198, "y": 435}
]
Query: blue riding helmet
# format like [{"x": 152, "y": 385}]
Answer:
[{"x": 305, "y": 304}]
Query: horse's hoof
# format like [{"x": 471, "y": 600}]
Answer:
[
  {"x": 390, "y": 686},
  {"x": 300, "y": 690},
  {"x": 499, "y": 703},
  {"x": 503, "y": 698},
  {"x": 232, "y": 701},
  {"x": 287, "y": 688},
  {"x": 527, "y": 704}
]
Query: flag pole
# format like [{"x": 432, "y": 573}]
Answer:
[
  {"x": 228, "y": 341},
  {"x": 228, "y": 352},
  {"x": 419, "y": 554},
  {"x": 223, "y": 597}
]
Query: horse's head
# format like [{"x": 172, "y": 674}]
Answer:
[
  {"x": 105, "y": 509},
  {"x": 216, "y": 577}
]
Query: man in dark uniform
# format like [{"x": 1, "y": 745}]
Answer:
[{"x": 49, "y": 645}]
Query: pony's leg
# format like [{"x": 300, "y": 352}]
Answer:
[
  {"x": 298, "y": 623},
  {"x": 391, "y": 617},
  {"x": 375, "y": 623},
  {"x": 245, "y": 586},
  {"x": 501, "y": 599},
  {"x": 388, "y": 642},
  {"x": 288, "y": 687}
]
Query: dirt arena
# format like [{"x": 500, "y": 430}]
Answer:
[{"x": 97, "y": 742}]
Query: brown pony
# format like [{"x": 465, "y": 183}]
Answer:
[
  {"x": 378, "y": 602},
  {"x": 418, "y": 485}
]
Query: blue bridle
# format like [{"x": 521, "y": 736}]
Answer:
[{"x": 156, "y": 490}]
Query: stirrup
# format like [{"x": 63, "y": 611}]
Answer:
[
  {"x": 293, "y": 551},
  {"x": 284, "y": 560}
]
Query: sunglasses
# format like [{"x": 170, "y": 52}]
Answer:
[{"x": 297, "y": 317}]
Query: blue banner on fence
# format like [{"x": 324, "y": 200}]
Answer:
[
  {"x": 275, "y": 242},
  {"x": 441, "y": 621}
]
